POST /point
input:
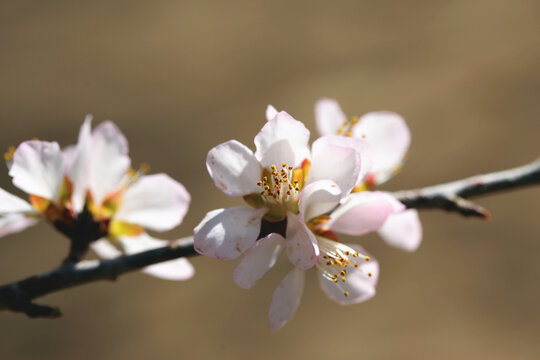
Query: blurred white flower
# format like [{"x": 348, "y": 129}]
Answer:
[{"x": 90, "y": 193}]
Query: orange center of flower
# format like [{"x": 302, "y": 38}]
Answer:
[
  {"x": 97, "y": 218},
  {"x": 279, "y": 189}
]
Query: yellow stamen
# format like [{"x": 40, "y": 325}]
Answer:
[{"x": 8, "y": 155}]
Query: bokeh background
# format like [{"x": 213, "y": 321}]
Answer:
[{"x": 179, "y": 77}]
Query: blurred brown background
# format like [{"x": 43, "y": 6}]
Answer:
[{"x": 179, "y": 77}]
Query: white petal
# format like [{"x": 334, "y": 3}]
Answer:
[
  {"x": 358, "y": 285},
  {"x": 361, "y": 145},
  {"x": 177, "y": 269},
  {"x": 13, "y": 204},
  {"x": 389, "y": 137},
  {"x": 260, "y": 258},
  {"x": 13, "y": 223},
  {"x": 38, "y": 168},
  {"x": 234, "y": 168},
  {"x": 403, "y": 230},
  {"x": 363, "y": 212},
  {"x": 226, "y": 233},
  {"x": 282, "y": 140},
  {"x": 78, "y": 164},
  {"x": 105, "y": 250},
  {"x": 328, "y": 116},
  {"x": 156, "y": 202},
  {"x": 302, "y": 249},
  {"x": 330, "y": 161},
  {"x": 286, "y": 299},
  {"x": 109, "y": 160},
  {"x": 271, "y": 112},
  {"x": 318, "y": 198}
]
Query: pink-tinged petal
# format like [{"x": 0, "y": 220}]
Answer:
[
  {"x": 302, "y": 248},
  {"x": 328, "y": 116},
  {"x": 389, "y": 136},
  {"x": 318, "y": 198},
  {"x": 282, "y": 140},
  {"x": 226, "y": 233},
  {"x": 403, "y": 230},
  {"x": 177, "y": 269},
  {"x": 13, "y": 204},
  {"x": 361, "y": 145},
  {"x": 271, "y": 112},
  {"x": 109, "y": 160},
  {"x": 360, "y": 281},
  {"x": 38, "y": 168},
  {"x": 156, "y": 202},
  {"x": 14, "y": 223},
  {"x": 234, "y": 168},
  {"x": 363, "y": 212},
  {"x": 260, "y": 258},
  {"x": 286, "y": 299},
  {"x": 331, "y": 161},
  {"x": 78, "y": 164}
]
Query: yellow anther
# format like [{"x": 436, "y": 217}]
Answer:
[
  {"x": 343, "y": 278},
  {"x": 366, "y": 258},
  {"x": 355, "y": 265},
  {"x": 346, "y": 253},
  {"x": 284, "y": 165},
  {"x": 290, "y": 167},
  {"x": 343, "y": 272},
  {"x": 346, "y": 293},
  {"x": 369, "y": 274},
  {"x": 259, "y": 183},
  {"x": 274, "y": 167},
  {"x": 354, "y": 119},
  {"x": 335, "y": 280},
  {"x": 348, "y": 134},
  {"x": 144, "y": 168},
  {"x": 8, "y": 155},
  {"x": 355, "y": 254}
]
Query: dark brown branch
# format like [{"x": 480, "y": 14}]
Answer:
[
  {"x": 18, "y": 296},
  {"x": 453, "y": 196}
]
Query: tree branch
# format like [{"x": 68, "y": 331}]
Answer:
[
  {"x": 18, "y": 296},
  {"x": 453, "y": 196}
]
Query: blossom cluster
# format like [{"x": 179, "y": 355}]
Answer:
[
  {"x": 90, "y": 193},
  {"x": 298, "y": 198}
]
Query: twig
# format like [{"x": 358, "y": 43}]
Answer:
[
  {"x": 453, "y": 196},
  {"x": 18, "y": 296}
]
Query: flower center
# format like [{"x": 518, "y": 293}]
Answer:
[
  {"x": 346, "y": 127},
  {"x": 338, "y": 260},
  {"x": 279, "y": 189}
]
